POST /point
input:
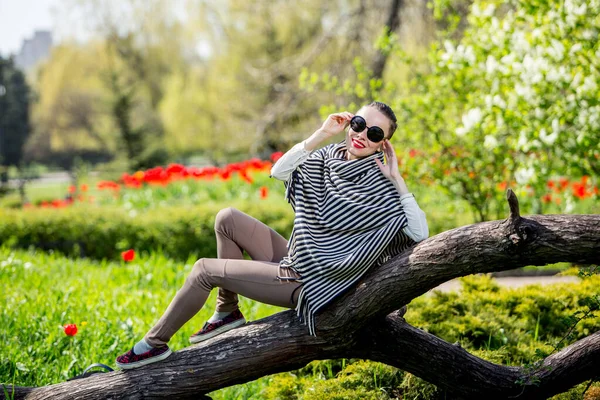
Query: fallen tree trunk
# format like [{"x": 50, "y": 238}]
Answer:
[{"x": 359, "y": 324}]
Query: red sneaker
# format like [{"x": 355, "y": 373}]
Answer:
[
  {"x": 212, "y": 329},
  {"x": 131, "y": 360}
]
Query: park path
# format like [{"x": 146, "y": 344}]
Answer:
[{"x": 514, "y": 282}]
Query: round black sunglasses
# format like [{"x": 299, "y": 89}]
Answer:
[{"x": 374, "y": 133}]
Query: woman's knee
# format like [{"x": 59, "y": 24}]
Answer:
[
  {"x": 199, "y": 274},
  {"x": 205, "y": 273},
  {"x": 224, "y": 219}
]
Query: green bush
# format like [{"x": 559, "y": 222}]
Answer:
[
  {"x": 358, "y": 380},
  {"x": 102, "y": 233},
  {"x": 519, "y": 323},
  {"x": 176, "y": 231},
  {"x": 505, "y": 326}
]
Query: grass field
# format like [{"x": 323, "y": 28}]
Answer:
[{"x": 112, "y": 304}]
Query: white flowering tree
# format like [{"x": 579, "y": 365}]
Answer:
[{"x": 514, "y": 102}]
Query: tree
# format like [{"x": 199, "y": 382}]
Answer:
[
  {"x": 362, "y": 323},
  {"x": 70, "y": 115},
  {"x": 142, "y": 43},
  {"x": 246, "y": 87},
  {"x": 513, "y": 101},
  {"x": 14, "y": 115}
]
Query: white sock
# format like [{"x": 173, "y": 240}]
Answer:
[
  {"x": 217, "y": 316},
  {"x": 141, "y": 347}
]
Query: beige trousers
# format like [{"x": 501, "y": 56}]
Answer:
[{"x": 257, "y": 279}]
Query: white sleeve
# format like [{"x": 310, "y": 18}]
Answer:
[
  {"x": 417, "y": 228},
  {"x": 284, "y": 167}
]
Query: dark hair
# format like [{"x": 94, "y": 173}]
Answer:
[{"x": 387, "y": 111}]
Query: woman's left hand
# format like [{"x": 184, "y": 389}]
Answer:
[{"x": 390, "y": 169}]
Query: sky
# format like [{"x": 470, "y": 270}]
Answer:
[{"x": 19, "y": 19}]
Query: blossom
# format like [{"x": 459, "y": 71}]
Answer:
[
  {"x": 490, "y": 142},
  {"x": 548, "y": 139},
  {"x": 70, "y": 329},
  {"x": 72, "y": 189},
  {"x": 128, "y": 255},
  {"x": 264, "y": 192},
  {"x": 175, "y": 169},
  {"x": 108, "y": 185},
  {"x": 276, "y": 156},
  {"x": 245, "y": 177},
  {"x": 469, "y": 120},
  {"x": 84, "y": 188},
  {"x": 524, "y": 175},
  {"x": 580, "y": 190}
]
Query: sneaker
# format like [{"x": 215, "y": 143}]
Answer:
[
  {"x": 212, "y": 329},
  {"x": 131, "y": 360}
]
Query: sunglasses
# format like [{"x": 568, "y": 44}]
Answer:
[{"x": 374, "y": 133}]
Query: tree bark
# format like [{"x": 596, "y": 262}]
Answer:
[
  {"x": 391, "y": 26},
  {"x": 394, "y": 342},
  {"x": 359, "y": 324}
]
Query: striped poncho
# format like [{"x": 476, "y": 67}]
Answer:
[{"x": 348, "y": 217}]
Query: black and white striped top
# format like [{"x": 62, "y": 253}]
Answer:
[{"x": 348, "y": 217}]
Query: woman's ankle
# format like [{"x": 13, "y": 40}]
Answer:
[
  {"x": 142, "y": 347},
  {"x": 218, "y": 315}
]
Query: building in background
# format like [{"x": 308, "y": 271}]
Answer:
[{"x": 34, "y": 50}]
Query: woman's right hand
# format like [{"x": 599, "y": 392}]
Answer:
[
  {"x": 333, "y": 125},
  {"x": 336, "y": 123}
]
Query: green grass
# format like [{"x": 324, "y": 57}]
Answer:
[{"x": 113, "y": 305}]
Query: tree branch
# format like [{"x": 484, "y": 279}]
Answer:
[
  {"x": 281, "y": 343},
  {"x": 394, "y": 342}
]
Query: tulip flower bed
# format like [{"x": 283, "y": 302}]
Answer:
[
  {"x": 176, "y": 185},
  {"x": 61, "y": 315}
]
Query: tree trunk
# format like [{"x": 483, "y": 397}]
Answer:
[
  {"x": 391, "y": 26},
  {"x": 362, "y": 323}
]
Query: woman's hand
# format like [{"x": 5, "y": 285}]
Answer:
[
  {"x": 333, "y": 125},
  {"x": 336, "y": 123},
  {"x": 390, "y": 169}
]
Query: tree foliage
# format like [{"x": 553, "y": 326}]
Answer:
[
  {"x": 14, "y": 115},
  {"x": 70, "y": 112},
  {"x": 514, "y": 101}
]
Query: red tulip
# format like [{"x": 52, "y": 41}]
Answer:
[
  {"x": 264, "y": 192},
  {"x": 70, "y": 329},
  {"x": 128, "y": 255},
  {"x": 276, "y": 156},
  {"x": 245, "y": 177}
]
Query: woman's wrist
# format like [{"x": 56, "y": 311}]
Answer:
[
  {"x": 314, "y": 140},
  {"x": 400, "y": 186}
]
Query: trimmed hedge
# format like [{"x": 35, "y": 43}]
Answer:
[
  {"x": 177, "y": 231},
  {"x": 103, "y": 233}
]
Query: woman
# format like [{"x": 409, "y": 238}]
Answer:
[{"x": 352, "y": 211}]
